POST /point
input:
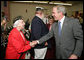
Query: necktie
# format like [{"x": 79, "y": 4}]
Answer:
[{"x": 59, "y": 29}]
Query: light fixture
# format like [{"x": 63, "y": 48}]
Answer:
[
  {"x": 22, "y": 1},
  {"x": 61, "y": 3},
  {"x": 40, "y": 2}
]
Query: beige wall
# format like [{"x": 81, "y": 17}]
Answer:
[
  {"x": 76, "y": 7},
  {"x": 17, "y": 9}
]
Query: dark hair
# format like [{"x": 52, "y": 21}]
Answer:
[
  {"x": 38, "y": 9},
  {"x": 17, "y": 18},
  {"x": 50, "y": 17}
]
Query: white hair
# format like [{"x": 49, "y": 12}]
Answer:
[{"x": 16, "y": 23}]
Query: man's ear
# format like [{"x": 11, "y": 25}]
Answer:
[
  {"x": 40, "y": 13},
  {"x": 60, "y": 13}
]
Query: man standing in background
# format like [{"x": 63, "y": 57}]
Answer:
[{"x": 39, "y": 29}]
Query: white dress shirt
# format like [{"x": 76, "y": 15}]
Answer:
[{"x": 62, "y": 20}]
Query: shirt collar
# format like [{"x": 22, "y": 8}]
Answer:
[
  {"x": 62, "y": 20},
  {"x": 38, "y": 16}
]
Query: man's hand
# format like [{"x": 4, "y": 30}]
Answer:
[
  {"x": 73, "y": 56},
  {"x": 46, "y": 44},
  {"x": 33, "y": 43}
]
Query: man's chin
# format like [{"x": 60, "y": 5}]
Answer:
[{"x": 56, "y": 20}]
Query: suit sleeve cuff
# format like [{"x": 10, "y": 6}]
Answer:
[{"x": 37, "y": 41}]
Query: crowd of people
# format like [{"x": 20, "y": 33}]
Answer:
[{"x": 44, "y": 37}]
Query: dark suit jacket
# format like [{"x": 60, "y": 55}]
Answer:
[
  {"x": 71, "y": 40},
  {"x": 38, "y": 29}
]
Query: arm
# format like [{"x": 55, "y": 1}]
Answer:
[
  {"x": 47, "y": 36},
  {"x": 18, "y": 45},
  {"x": 78, "y": 34}
]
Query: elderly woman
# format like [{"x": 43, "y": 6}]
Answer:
[{"x": 17, "y": 43}]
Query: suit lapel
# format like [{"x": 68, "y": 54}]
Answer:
[
  {"x": 64, "y": 25},
  {"x": 56, "y": 30}
]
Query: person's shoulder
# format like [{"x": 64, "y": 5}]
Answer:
[
  {"x": 35, "y": 19},
  {"x": 54, "y": 24},
  {"x": 14, "y": 31},
  {"x": 72, "y": 19}
]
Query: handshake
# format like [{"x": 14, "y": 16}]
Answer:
[{"x": 33, "y": 43}]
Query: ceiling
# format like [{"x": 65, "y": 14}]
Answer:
[{"x": 48, "y": 2}]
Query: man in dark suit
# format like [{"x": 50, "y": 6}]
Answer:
[
  {"x": 39, "y": 29},
  {"x": 68, "y": 35}
]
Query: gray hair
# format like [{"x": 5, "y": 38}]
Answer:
[
  {"x": 17, "y": 20},
  {"x": 16, "y": 23},
  {"x": 61, "y": 8}
]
